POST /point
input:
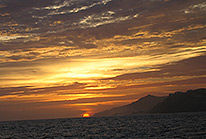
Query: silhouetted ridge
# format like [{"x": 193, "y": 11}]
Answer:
[
  {"x": 189, "y": 101},
  {"x": 143, "y": 105}
]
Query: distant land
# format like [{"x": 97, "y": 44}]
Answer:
[{"x": 189, "y": 101}]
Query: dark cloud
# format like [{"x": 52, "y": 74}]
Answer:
[
  {"x": 48, "y": 90},
  {"x": 117, "y": 69},
  {"x": 30, "y": 90},
  {"x": 84, "y": 44},
  {"x": 190, "y": 67},
  {"x": 23, "y": 4},
  {"x": 102, "y": 99},
  {"x": 162, "y": 16},
  {"x": 19, "y": 57},
  {"x": 12, "y": 90},
  {"x": 199, "y": 81}
]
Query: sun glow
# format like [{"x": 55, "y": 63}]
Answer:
[{"x": 85, "y": 115}]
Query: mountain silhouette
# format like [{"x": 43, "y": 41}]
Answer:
[
  {"x": 190, "y": 101},
  {"x": 143, "y": 105}
]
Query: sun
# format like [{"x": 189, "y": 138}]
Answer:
[{"x": 85, "y": 115}]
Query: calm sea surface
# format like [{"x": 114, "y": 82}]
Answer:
[{"x": 181, "y": 125}]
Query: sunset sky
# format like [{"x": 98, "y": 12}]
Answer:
[{"x": 63, "y": 58}]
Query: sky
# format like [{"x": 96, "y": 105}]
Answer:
[{"x": 63, "y": 58}]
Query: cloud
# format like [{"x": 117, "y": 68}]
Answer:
[
  {"x": 30, "y": 90},
  {"x": 17, "y": 58},
  {"x": 55, "y": 89},
  {"x": 200, "y": 80},
  {"x": 35, "y": 33},
  {"x": 12, "y": 90},
  {"x": 48, "y": 103},
  {"x": 195, "y": 8},
  {"x": 155, "y": 86},
  {"x": 102, "y": 99},
  {"x": 189, "y": 67},
  {"x": 79, "y": 6},
  {"x": 2, "y": 6}
]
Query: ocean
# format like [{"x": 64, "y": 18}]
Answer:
[{"x": 154, "y": 126}]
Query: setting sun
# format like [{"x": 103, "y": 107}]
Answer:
[{"x": 86, "y": 115}]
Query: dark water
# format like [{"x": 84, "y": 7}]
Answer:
[{"x": 182, "y": 125}]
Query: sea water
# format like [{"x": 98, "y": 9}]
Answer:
[{"x": 154, "y": 126}]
